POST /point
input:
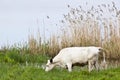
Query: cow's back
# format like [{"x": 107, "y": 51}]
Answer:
[{"x": 74, "y": 54}]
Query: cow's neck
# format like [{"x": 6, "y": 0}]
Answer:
[{"x": 56, "y": 60}]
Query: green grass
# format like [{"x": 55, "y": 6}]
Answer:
[
  {"x": 16, "y": 57},
  {"x": 13, "y": 67},
  {"x": 22, "y": 72}
]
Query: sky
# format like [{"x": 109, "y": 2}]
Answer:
[{"x": 19, "y": 18}]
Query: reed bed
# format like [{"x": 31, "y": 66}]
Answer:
[
  {"x": 96, "y": 26},
  {"x": 89, "y": 27}
]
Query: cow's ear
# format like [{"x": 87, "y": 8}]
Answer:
[{"x": 51, "y": 60}]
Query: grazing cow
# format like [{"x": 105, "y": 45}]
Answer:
[{"x": 70, "y": 56}]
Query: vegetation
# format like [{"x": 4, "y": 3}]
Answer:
[
  {"x": 95, "y": 26},
  {"x": 18, "y": 72},
  {"x": 81, "y": 27},
  {"x": 13, "y": 56},
  {"x": 14, "y": 67}
]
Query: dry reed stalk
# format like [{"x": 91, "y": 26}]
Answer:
[{"x": 87, "y": 28}]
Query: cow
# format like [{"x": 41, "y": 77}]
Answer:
[{"x": 68, "y": 57}]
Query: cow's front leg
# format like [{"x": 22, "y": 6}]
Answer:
[{"x": 69, "y": 65}]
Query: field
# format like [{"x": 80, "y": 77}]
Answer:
[
  {"x": 29, "y": 67},
  {"x": 20, "y": 72},
  {"x": 80, "y": 27}
]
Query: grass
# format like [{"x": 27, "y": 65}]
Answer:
[
  {"x": 82, "y": 28},
  {"x": 21, "y": 72},
  {"x": 17, "y": 70},
  {"x": 17, "y": 58}
]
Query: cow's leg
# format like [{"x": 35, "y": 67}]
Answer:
[
  {"x": 96, "y": 65},
  {"x": 69, "y": 65},
  {"x": 89, "y": 66},
  {"x": 92, "y": 63}
]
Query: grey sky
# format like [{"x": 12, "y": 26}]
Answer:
[{"x": 18, "y": 18}]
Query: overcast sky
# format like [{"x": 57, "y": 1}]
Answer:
[{"x": 19, "y": 18}]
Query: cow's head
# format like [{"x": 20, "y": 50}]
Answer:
[{"x": 49, "y": 65}]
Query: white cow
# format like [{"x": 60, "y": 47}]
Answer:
[{"x": 67, "y": 57}]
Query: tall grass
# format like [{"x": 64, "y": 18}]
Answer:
[
  {"x": 96, "y": 26},
  {"x": 89, "y": 27}
]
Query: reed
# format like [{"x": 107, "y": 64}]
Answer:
[{"x": 89, "y": 27}]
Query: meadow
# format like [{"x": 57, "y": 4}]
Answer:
[
  {"x": 14, "y": 67},
  {"x": 20, "y": 72},
  {"x": 80, "y": 27}
]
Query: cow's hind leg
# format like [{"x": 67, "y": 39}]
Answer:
[{"x": 96, "y": 65}]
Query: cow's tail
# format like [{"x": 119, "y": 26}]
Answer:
[
  {"x": 103, "y": 51},
  {"x": 104, "y": 57}
]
